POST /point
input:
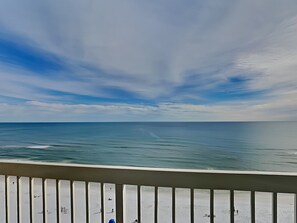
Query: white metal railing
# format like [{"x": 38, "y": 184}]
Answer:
[{"x": 273, "y": 182}]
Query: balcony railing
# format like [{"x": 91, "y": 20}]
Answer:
[{"x": 13, "y": 194}]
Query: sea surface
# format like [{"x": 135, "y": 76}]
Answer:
[{"x": 266, "y": 146}]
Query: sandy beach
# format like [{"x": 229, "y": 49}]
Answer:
[{"x": 242, "y": 204}]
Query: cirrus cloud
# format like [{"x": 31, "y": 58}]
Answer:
[{"x": 231, "y": 60}]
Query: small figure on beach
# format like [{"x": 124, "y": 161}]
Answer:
[
  {"x": 64, "y": 210},
  {"x": 208, "y": 215},
  {"x": 235, "y": 210}
]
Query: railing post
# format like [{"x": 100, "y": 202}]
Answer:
[
  {"x": 212, "y": 206},
  {"x": 30, "y": 199},
  {"x": 102, "y": 202},
  {"x": 119, "y": 203},
  {"x": 192, "y": 205},
  {"x": 87, "y": 201},
  {"x": 156, "y": 205},
  {"x": 71, "y": 200},
  {"x": 274, "y": 207},
  {"x": 295, "y": 208},
  {"x": 253, "y": 209},
  {"x": 18, "y": 198},
  {"x": 232, "y": 209},
  {"x": 6, "y": 198},
  {"x": 138, "y": 203},
  {"x": 173, "y": 205},
  {"x": 44, "y": 208},
  {"x": 57, "y": 201}
]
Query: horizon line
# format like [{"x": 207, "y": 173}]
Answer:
[{"x": 48, "y": 122}]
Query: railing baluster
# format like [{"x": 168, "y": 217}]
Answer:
[
  {"x": 173, "y": 204},
  {"x": 57, "y": 201},
  {"x": 102, "y": 201},
  {"x": 211, "y": 206},
  {"x": 6, "y": 198},
  {"x": 12, "y": 189},
  {"x": 232, "y": 209},
  {"x": 71, "y": 200},
  {"x": 119, "y": 203},
  {"x": 274, "y": 207},
  {"x": 253, "y": 209},
  {"x": 87, "y": 201},
  {"x": 192, "y": 205},
  {"x": 44, "y": 199},
  {"x": 138, "y": 203},
  {"x": 156, "y": 204}
]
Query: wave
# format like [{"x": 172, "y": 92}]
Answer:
[
  {"x": 10, "y": 146},
  {"x": 154, "y": 135},
  {"x": 38, "y": 147},
  {"x": 23, "y": 146}
]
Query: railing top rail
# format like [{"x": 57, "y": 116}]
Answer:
[
  {"x": 181, "y": 178},
  {"x": 115, "y": 167}
]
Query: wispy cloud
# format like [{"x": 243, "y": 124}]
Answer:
[{"x": 216, "y": 60}]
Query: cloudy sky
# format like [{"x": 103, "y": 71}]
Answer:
[{"x": 139, "y": 60}]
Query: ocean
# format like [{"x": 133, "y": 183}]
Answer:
[{"x": 261, "y": 146}]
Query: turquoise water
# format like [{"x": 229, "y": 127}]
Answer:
[{"x": 268, "y": 146}]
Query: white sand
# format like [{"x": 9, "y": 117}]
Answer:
[{"x": 242, "y": 204}]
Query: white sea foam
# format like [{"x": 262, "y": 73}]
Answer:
[
  {"x": 8, "y": 146},
  {"x": 38, "y": 147},
  {"x": 24, "y": 146},
  {"x": 11, "y": 146},
  {"x": 154, "y": 135}
]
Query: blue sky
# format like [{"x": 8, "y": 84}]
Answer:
[{"x": 137, "y": 60}]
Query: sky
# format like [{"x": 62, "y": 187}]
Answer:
[{"x": 138, "y": 60}]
